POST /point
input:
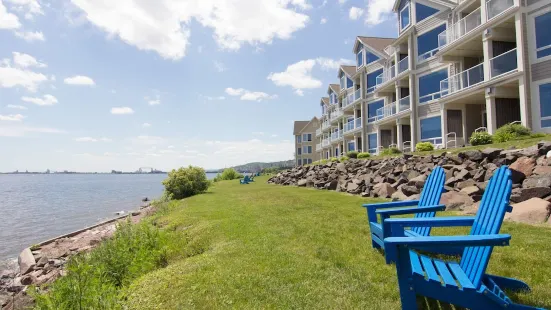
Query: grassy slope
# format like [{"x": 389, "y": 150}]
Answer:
[{"x": 267, "y": 246}]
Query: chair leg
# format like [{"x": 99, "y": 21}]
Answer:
[{"x": 403, "y": 268}]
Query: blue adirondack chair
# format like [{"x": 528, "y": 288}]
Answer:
[
  {"x": 251, "y": 178},
  {"x": 465, "y": 283},
  {"x": 425, "y": 207},
  {"x": 245, "y": 180}
]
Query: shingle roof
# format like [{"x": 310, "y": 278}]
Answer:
[
  {"x": 299, "y": 125},
  {"x": 335, "y": 87},
  {"x": 325, "y": 100},
  {"x": 378, "y": 44},
  {"x": 350, "y": 70}
]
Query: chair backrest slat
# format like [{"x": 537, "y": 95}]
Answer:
[
  {"x": 430, "y": 196},
  {"x": 488, "y": 221}
]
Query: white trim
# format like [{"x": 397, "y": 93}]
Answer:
[
  {"x": 407, "y": 6},
  {"x": 419, "y": 76},
  {"x": 536, "y": 106},
  {"x": 531, "y": 24}
]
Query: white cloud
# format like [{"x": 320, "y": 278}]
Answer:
[
  {"x": 220, "y": 67},
  {"x": 332, "y": 64},
  {"x": 249, "y": 95},
  {"x": 12, "y": 117},
  {"x": 146, "y": 125},
  {"x": 30, "y": 36},
  {"x": 90, "y": 139},
  {"x": 323, "y": 20},
  {"x": 17, "y": 107},
  {"x": 154, "y": 102},
  {"x": 378, "y": 11},
  {"x": 19, "y": 131},
  {"x": 164, "y": 26},
  {"x": 355, "y": 13},
  {"x": 121, "y": 110},
  {"x": 209, "y": 98},
  {"x": 30, "y": 7},
  {"x": 26, "y": 61},
  {"x": 258, "y": 133},
  {"x": 299, "y": 92},
  {"x": 20, "y": 76},
  {"x": 46, "y": 100},
  {"x": 79, "y": 80},
  {"x": 7, "y": 19},
  {"x": 343, "y": 1}
]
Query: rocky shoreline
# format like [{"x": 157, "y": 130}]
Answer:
[
  {"x": 43, "y": 263},
  {"x": 467, "y": 175}
]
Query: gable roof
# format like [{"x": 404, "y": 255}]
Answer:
[
  {"x": 447, "y": 3},
  {"x": 377, "y": 44},
  {"x": 314, "y": 119},
  {"x": 325, "y": 100},
  {"x": 299, "y": 125},
  {"x": 335, "y": 87},
  {"x": 349, "y": 70}
]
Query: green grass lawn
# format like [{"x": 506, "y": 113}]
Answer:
[{"x": 267, "y": 246}]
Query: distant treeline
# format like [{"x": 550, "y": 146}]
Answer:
[{"x": 262, "y": 167}]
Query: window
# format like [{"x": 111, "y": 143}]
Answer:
[
  {"x": 422, "y": 11},
  {"x": 349, "y": 83},
  {"x": 372, "y": 110},
  {"x": 404, "y": 17},
  {"x": 360, "y": 58},
  {"x": 372, "y": 80},
  {"x": 299, "y": 151},
  {"x": 299, "y": 162},
  {"x": 343, "y": 81},
  {"x": 307, "y": 137},
  {"x": 299, "y": 139},
  {"x": 309, "y": 160},
  {"x": 543, "y": 39},
  {"x": 307, "y": 149},
  {"x": 427, "y": 43},
  {"x": 351, "y": 146},
  {"x": 372, "y": 143},
  {"x": 429, "y": 86},
  {"x": 371, "y": 57},
  {"x": 545, "y": 104},
  {"x": 431, "y": 128}
]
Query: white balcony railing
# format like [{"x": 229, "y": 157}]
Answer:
[
  {"x": 427, "y": 55},
  {"x": 325, "y": 125},
  {"x": 350, "y": 98},
  {"x": 371, "y": 89},
  {"x": 349, "y": 126},
  {"x": 358, "y": 123},
  {"x": 318, "y": 147},
  {"x": 386, "y": 111},
  {"x": 358, "y": 94},
  {"x": 325, "y": 142},
  {"x": 337, "y": 135},
  {"x": 318, "y": 132},
  {"x": 436, "y": 141},
  {"x": 403, "y": 65},
  {"x": 404, "y": 104},
  {"x": 503, "y": 63},
  {"x": 465, "y": 79},
  {"x": 461, "y": 28},
  {"x": 387, "y": 75},
  {"x": 430, "y": 97},
  {"x": 496, "y": 7},
  {"x": 336, "y": 114}
]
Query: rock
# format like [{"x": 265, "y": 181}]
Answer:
[
  {"x": 332, "y": 185},
  {"x": 542, "y": 170},
  {"x": 491, "y": 153},
  {"x": 409, "y": 190},
  {"x": 479, "y": 175},
  {"x": 530, "y": 151},
  {"x": 470, "y": 190},
  {"x": 456, "y": 201},
  {"x": 532, "y": 211},
  {"x": 353, "y": 188},
  {"x": 120, "y": 213},
  {"x": 537, "y": 181},
  {"x": 341, "y": 167},
  {"x": 467, "y": 183},
  {"x": 5, "y": 297},
  {"x": 472, "y": 209},
  {"x": 384, "y": 190},
  {"x": 462, "y": 175},
  {"x": 42, "y": 261},
  {"x": 399, "y": 196},
  {"x": 523, "y": 194},
  {"x": 418, "y": 181},
  {"x": 473, "y": 155},
  {"x": 302, "y": 182},
  {"x": 522, "y": 168},
  {"x": 544, "y": 147},
  {"x": 145, "y": 199},
  {"x": 26, "y": 261},
  {"x": 28, "y": 279}
]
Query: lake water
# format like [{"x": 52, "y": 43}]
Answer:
[{"x": 34, "y": 208}]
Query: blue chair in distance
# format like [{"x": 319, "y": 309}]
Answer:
[
  {"x": 466, "y": 283},
  {"x": 245, "y": 180},
  {"x": 425, "y": 207}
]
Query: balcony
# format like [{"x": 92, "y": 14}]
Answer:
[
  {"x": 461, "y": 28},
  {"x": 463, "y": 80},
  {"x": 325, "y": 125},
  {"x": 353, "y": 125},
  {"x": 387, "y": 75},
  {"x": 336, "y": 115},
  {"x": 424, "y": 57},
  {"x": 337, "y": 135},
  {"x": 504, "y": 63},
  {"x": 403, "y": 65},
  {"x": 496, "y": 7},
  {"x": 325, "y": 142},
  {"x": 318, "y": 147},
  {"x": 350, "y": 99},
  {"x": 393, "y": 108},
  {"x": 430, "y": 97},
  {"x": 318, "y": 132}
]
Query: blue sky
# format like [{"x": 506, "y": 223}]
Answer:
[{"x": 92, "y": 85}]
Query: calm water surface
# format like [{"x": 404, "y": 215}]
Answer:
[{"x": 34, "y": 208}]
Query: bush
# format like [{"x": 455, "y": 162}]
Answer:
[
  {"x": 390, "y": 151},
  {"x": 352, "y": 154},
  {"x": 344, "y": 158},
  {"x": 186, "y": 182},
  {"x": 364, "y": 155},
  {"x": 334, "y": 159},
  {"x": 511, "y": 132},
  {"x": 424, "y": 146},
  {"x": 228, "y": 174},
  {"x": 481, "y": 138}
]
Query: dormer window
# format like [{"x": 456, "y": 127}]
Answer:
[
  {"x": 405, "y": 19},
  {"x": 423, "y": 12},
  {"x": 360, "y": 58},
  {"x": 371, "y": 57}
]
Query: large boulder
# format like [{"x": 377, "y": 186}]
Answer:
[
  {"x": 302, "y": 182},
  {"x": 491, "y": 153},
  {"x": 473, "y": 155},
  {"x": 542, "y": 170},
  {"x": 383, "y": 190},
  {"x": 522, "y": 168},
  {"x": 537, "y": 181},
  {"x": 523, "y": 194},
  {"x": 532, "y": 211},
  {"x": 418, "y": 181},
  {"x": 456, "y": 201},
  {"x": 26, "y": 261}
]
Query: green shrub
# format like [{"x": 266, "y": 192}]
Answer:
[
  {"x": 344, "y": 158},
  {"x": 352, "y": 154},
  {"x": 390, "y": 151},
  {"x": 511, "y": 132},
  {"x": 481, "y": 138},
  {"x": 334, "y": 159},
  {"x": 364, "y": 155},
  {"x": 186, "y": 182},
  {"x": 228, "y": 174},
  {"x": 424, "y": 146}
]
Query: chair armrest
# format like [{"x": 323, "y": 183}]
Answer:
[
  {"x": 393, "y": 204},
  {"x": 413, "y": 210},
  {"x": 395, "y": 227},
  {"x": 392, "y": 243}
]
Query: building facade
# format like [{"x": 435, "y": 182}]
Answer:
[
  {"x": 305, "y": 141},
  {"x": 456, "y": 67}
]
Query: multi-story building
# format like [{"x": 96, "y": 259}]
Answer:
[
  {"x": 456, "y": 67},
  {"x": 305, "y": 142}
]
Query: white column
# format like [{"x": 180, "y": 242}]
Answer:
[
  {"x": 525, "y": 109},
  {"x": 378, "y": 138},
  {"x": 444, "y": 122},
  {"x": 363, "y": 111},
  {"x": 488, "y": 54},
  {"x": 483, "y": 11},
  {"x": 399, "y": 139},
  {"x": 491, "y": 113}
]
